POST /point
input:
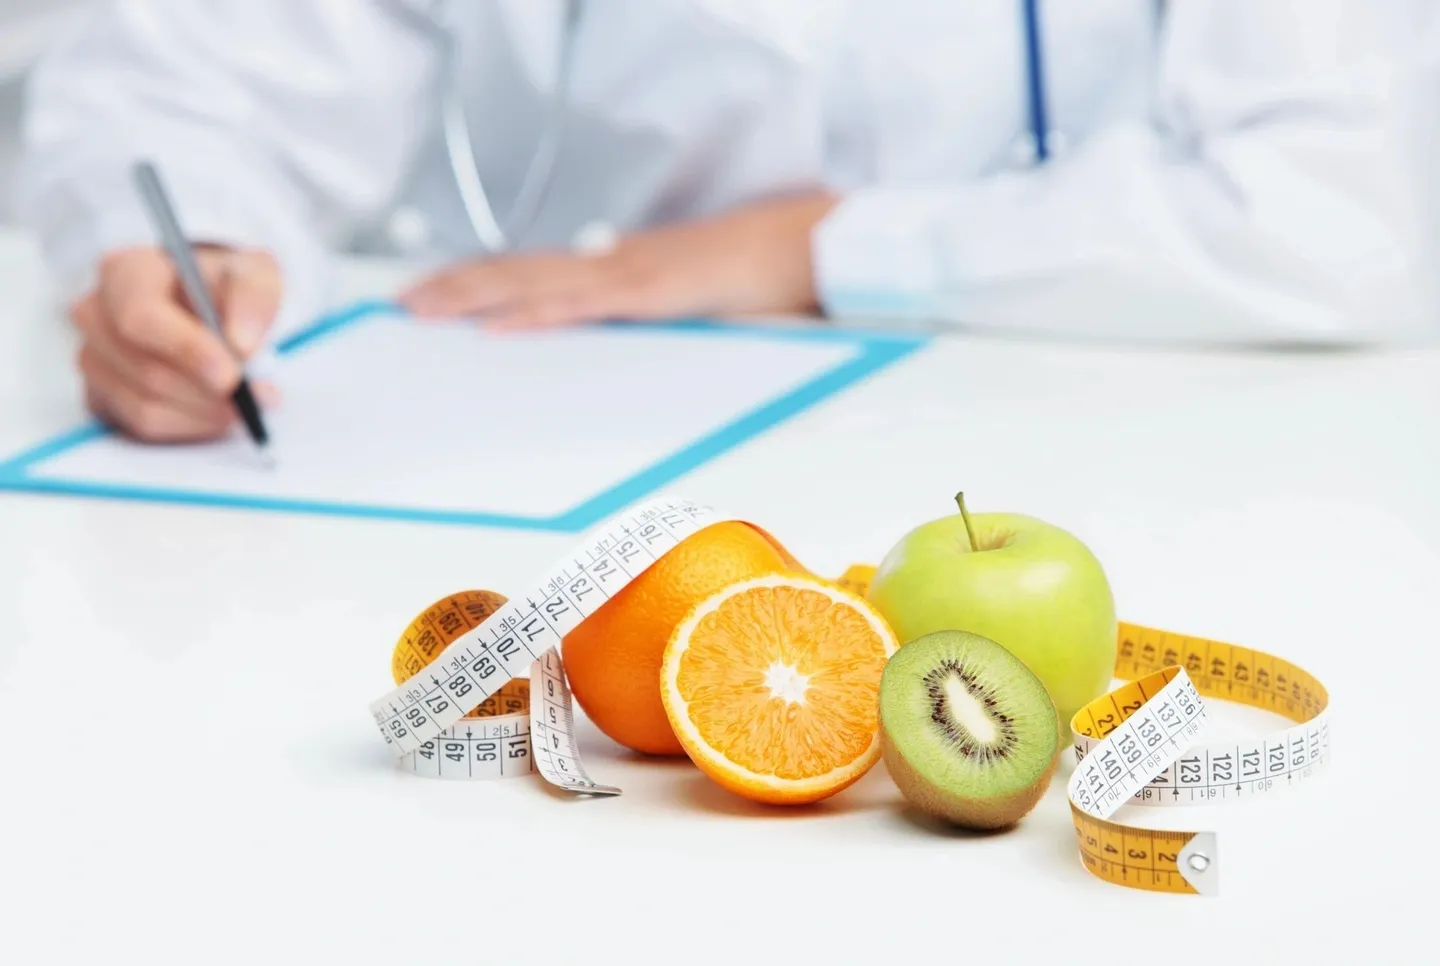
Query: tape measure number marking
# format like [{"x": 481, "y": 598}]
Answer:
[
  {"x": 552, "y": 726},
  {"x": 492, "y": 741},
  {"x": 466, "y": 648},
  {"x": 1140, "y": 744}
]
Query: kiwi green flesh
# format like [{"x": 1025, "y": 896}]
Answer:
[{"x": 968, "y": 732}]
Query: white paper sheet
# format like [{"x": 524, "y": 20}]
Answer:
[{"x": 448, "y": 417}]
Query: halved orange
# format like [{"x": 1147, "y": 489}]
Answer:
[{"x": 772, "y": 686}]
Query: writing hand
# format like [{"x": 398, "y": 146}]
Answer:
[{"x": 151, "y": 368}]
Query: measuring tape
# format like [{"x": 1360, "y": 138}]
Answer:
[
  {"x": 462, "y": 710},
  {"x": 1141, "y": 743}
]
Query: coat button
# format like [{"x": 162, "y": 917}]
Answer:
[
  {"x": 595, "y": 238},
  {"x": 408, "y": 229},
  {"x": 1022, "y": 150}
]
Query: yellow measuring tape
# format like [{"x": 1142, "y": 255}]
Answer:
[
  {"x": 463, "y": 710},
  {"x": 1141, "y": 744},
  {"x": 492, "y": 740},
  {"x": 471, "y": 646}
]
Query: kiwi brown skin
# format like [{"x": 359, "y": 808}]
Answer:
[
  {"x": 988, "y": 814},
  {"x": 924, "y": 663}
]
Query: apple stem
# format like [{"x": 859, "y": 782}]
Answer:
[{"x": 969, "y": 533}]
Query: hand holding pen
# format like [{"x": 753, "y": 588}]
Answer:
[{"x": 151, "y": 366}]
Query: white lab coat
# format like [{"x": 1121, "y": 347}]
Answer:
[
  {"x": 27, "y": 27},
  {"x": 1251, "y": 170}
]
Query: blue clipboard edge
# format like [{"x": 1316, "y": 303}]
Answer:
[{"x": 877, "y": 351}]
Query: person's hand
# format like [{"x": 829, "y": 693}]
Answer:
[
  {"x": 751, "y": 261},
  {"x": 151, "y": 368}
]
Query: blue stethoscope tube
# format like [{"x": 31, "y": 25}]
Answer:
[{"x": 1035, "y": 82}]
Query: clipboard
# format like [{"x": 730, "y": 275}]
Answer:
[{"x": 444, "y": 423}]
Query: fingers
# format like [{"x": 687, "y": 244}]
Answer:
[
  {"x": 137, "y": 408},
  {"x": 499, "y": 285},
  {"x": 157, "y": 378},
  {"x": 247, "y": 295},
  {"x": 543, "y": 291},
  {"x": 151, "y": 367},
  {"x": 611, "y": 298},
  {"x": 115, "y": 398},
  {"x": 137, "y": 305},
  {"x": 619, "y": 286}
]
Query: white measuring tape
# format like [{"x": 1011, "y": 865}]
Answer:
[
  {"x": 1141, "y": 744},
  {"x": 424, "y": 720},
  {"x": 468, "y": 713}
]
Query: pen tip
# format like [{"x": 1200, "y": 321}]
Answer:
[{"x": 267, "y": 458}]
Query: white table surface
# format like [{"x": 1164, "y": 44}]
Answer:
[{"x": 1288, "y": 502}]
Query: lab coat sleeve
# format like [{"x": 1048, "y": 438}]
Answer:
[
  {"x": 274, "y": 123},
  {"x": 1286, "y": 192}
]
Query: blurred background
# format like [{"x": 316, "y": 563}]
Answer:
[
  {"x": 26, "y": 27},
  {"x": 1273, "y": 184}
]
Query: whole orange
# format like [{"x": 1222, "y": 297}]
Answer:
[{"x": 612, "y": 659}]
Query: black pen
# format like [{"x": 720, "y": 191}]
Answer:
[{"x": 162, "y": 214}]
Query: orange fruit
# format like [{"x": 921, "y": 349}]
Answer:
[
  {"x": 773, "y": 687},
  {"x": 612, "y": 659}
]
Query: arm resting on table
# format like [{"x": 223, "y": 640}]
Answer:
[{"x": 1289, "y": 192}]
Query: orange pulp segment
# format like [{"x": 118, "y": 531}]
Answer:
[{"x": 772, "y": 686}]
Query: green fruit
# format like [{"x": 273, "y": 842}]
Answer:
[
  {"x": 968, "y": 733},
  {"x": 1019, "y": 581}
]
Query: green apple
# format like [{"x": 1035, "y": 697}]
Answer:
[{"x": 1024, "y": 583}]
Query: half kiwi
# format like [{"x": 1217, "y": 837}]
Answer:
[{"x": 968, "y": 732}]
